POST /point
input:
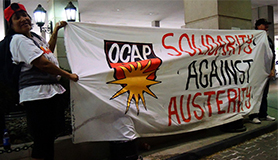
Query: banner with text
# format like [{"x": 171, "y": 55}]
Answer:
[{"x": 142, "y": 82}]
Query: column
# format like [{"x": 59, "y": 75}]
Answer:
[{"x": 218, "y": 14}]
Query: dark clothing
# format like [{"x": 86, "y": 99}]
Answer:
[
  {"x": 271, "y": 45},
  {"x": 45, "y": 120},
  {"x": 263, "y": 107},
  {"x": 44, "y": 104},
  {"x": 35, "y": 76},
  {"x": 2, "y": 124}
]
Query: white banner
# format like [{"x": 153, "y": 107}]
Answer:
[{"x": 141, "y": 82}]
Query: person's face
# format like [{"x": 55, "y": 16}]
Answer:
[
  {"x": 263, "y": 27},
  {"x": 21, "y": 23}
]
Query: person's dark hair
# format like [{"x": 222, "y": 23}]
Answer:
[
  {"x": 10, "y": 30},
  {"x": 14, "y": 6},
  {"x": 261, "y": 21}
]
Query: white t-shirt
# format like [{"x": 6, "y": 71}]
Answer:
[{"x": 24, "y": 50}]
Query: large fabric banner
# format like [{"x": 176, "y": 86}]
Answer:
[{"x": 142, "y": 82}]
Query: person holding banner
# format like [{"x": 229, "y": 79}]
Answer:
[
  {"x": 262, "y": 24},
  {"x": 39, "y": 89}
]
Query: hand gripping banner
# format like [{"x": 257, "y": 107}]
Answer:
[{"x": 142, "y": 82}]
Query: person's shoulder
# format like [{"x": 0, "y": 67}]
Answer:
[{"x": 19, "y": 37}]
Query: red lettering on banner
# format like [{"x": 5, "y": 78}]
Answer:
[
  {"x": 235, "y": 98},
  {"x": 249, "y": 41},
  {"x": 248, "y": 95},
  {"x": 170, "y": 47},
  {"x": 239, "y": 45},
  {"x": 173, "y": 103},
  {"x": 198, "y": 106},
  {"x": 230, "y": 46},
  {"x": 222, "y": 44},
  {"x": 218, "y": 101},
  {"x": 189, "y": 43},
  {"x": 203, "y": 43},
  {"x": 242, "y": 37},
  {"x": 232, "y": 99},
  {"x": 209, "y": 94},
  {"x": 194, "y": 43},
  {"x": 243, "y": 90},
  {"x": 213, "y": 45},
  {"x": 188, "y": 109}
]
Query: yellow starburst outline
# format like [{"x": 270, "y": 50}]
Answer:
[{"x": 133, "y": 87}]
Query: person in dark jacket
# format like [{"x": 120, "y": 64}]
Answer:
[
  {"x": 39, "y": 90},
  {"x": 262, "y": 24}
]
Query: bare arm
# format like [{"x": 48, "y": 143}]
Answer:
[
  {"x": 272, "y": 72},
  {"x": 53, "y": 38},
  {"x": 45, "y": 65}
]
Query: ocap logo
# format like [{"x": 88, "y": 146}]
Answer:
[{"x": 135, "y": 65}]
